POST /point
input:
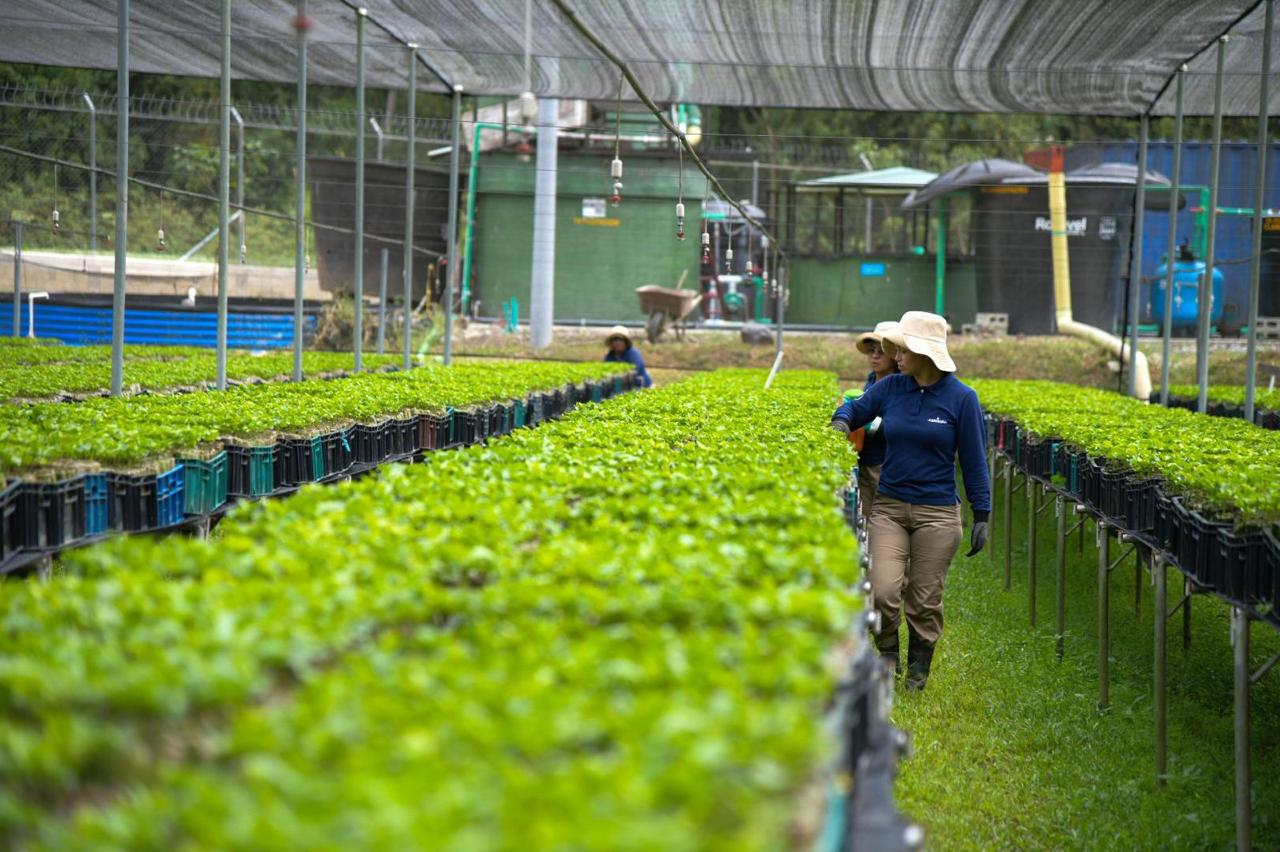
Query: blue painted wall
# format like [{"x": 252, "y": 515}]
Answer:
[
  {"x": 79, "y": 325},
  {"x": 1235, "y": 189}
]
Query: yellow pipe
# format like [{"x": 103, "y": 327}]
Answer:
[{"x": 1062, "y": 288}]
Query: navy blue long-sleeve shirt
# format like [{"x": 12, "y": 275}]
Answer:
[
  {"x": 925, "y": 428},
  {"x": 631, "y": 355}
]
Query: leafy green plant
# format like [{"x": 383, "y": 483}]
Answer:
[
  {"x": 607, "y": 630},
  {"x": 1222, "y": 464},
  {"x": 1231, "y": 394}
]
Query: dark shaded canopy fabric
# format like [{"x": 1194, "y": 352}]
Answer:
[{"x": 1110, "y": 57}]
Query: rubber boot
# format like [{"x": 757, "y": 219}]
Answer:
[
  {"x": 919, "y": 659},
  {"x": 887, "y": 644}
]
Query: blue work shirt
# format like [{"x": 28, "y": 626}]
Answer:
[
  {"x": 631, "y": 355},
  {"x": 873, "y": 448},
  {"x": 925, "y": 428}
]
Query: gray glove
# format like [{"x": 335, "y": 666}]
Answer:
[
  {"x": 840, "y": 426},
  {"x": 978, "y": 538}
]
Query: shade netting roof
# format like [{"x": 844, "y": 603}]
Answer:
[
  {"x": 893, "y": 178},
  {"x": 1111, "y": 57}
]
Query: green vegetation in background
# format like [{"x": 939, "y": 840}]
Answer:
[
  {"x": 608, "y": 631},
  {"x": 1009, "y": 748},
  {"x": 1222, "y": 464},
  {"x": 150, "y": 430}
]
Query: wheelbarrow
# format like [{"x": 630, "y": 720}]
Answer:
[{"x": 665, "y": 305}]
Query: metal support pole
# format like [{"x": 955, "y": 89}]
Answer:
[
  {"x": 1240, "y": 669},
  {"x": 1159, "y": 667},
  {"x": 122, "y": 195},
  {"x": 382, "y": 303},
  {"x": 1255, "y": 251},
  {"x": 377, "y": 132},
  {"x": 1008, "y": 525},
  {"x": 1104, "y": 615},
  {"x": 1137, "y": 584},
  {"x": 1206, "y": 284},
  {"x": 1135, "y": 262},
  {"x": 300, "y": 200},
  {"x": 451, "y": 274},
  {"x": 17, "y": 279},
  {"x": 1060, "y": 578},
  {"x": 1175, "y": 198},
  {"x": 242, "y": 249},
  {"x": 224, "y": 194},
  {"x": 1033, "y": 493},
  {"x": 1186, "y": 615},
  {"x": 755, "y": 181},
  {"x": 93, "y": 172},
  {"x": 784, "y": 282},
  {"x": 409, "y": 166},
  {"x": 357, "y": 335},
  {"x": 543, "y": 279}
]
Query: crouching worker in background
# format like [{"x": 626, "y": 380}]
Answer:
[
  {"x": 621, "y": 350},
  {"x": 871, "y": 453},
  {"x": 929, "y": 418}
]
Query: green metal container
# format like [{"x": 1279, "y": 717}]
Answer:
[{"x": 603, "y": 253}]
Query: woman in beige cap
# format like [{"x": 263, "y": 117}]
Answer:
[
  {"x": 871, "y": 453},
  {"x": 620, "y": 349},
  {"x": 929, "y": 418}
]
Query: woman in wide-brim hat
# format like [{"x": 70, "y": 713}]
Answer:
[
  {"x": 621, "y": 350},
  {"x": 929, "y": 419},
  {"x": 871, "y": 453}
]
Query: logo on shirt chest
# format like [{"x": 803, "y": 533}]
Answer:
[{"x": 939, "y": 420}]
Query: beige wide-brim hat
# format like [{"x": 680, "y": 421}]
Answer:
[
  {"x": 924, "y": 334},
  {"x": 616, "y": 332},
  {"x": 868, "y": 339}
]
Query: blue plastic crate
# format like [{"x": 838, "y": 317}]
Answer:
[
  {"x": 170, "y": 496},
  {"x": 95, "y": 504}
]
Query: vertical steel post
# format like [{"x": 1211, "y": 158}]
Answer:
[
  {"x": 224, "y": 194},
  {"x": 357, "y": 336},
  {"x": 1032, "y": 514},
  {"x": 1104, "y": 615},
  {"x": 1008, "y": 525},
  {"x": 1186, "y": 614},
  {"x": 1175, "y": 198},
  {"x": 1255, "y": 251},
  {"x": 17, "y": 279},
  {"x": 1135, "y": 262},
  {"x": 1240, "y": 670},
  {"x": 1159, "y": 667},
  {"x": 940, "y": 262},
  {"x": 455, "y": 162},
  {"x": 410, "y": 143},
  {"x": 1137, "y": 584},
  {"x": 1060, "y": 578},
  {"x": 242, "y": 249},
  {"x": 300, "y": 197},
  {"x": 382, "y": 303},
  {"x": 122, "y": 195},
  {"x": 93, "y": 172},
  {"x": 1206, "y": 284}
]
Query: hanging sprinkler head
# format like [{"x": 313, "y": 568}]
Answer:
[
  {"x": 706, "y": 247},
  {"x": 528, "y": 107},
  {"x": 160, "y": 240},
  {"x": 57, "y": 221},
  {"x": 679, "y": 220},
  {"x": 615, "y": 169},
  {"x": 728, "y": 259},
  {"x": 244, "y": 252}
]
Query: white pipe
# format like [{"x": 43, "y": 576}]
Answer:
[
  {"x": 542, "y": 295},
  {"x": 777, "y": 362},
  {"x": 1118, "y": 347}
]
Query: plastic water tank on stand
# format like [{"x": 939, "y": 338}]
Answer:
[{"x": 1187, "y": 275}]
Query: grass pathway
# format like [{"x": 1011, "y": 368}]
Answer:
[{"x": 1011, "y": 751}]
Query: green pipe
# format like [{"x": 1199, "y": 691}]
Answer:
[
  {"x": 471, "y": 202},
  {"x": 940, "y": 269}
]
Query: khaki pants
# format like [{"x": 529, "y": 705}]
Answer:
[
  {"x": 868, "y": 482},
  {"x": 911, "y": 550}
]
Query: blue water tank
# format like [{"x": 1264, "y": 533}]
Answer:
[{"x": 1187, "y": 275}]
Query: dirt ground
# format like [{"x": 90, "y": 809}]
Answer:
[{"x": 1062, "y": 359}]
